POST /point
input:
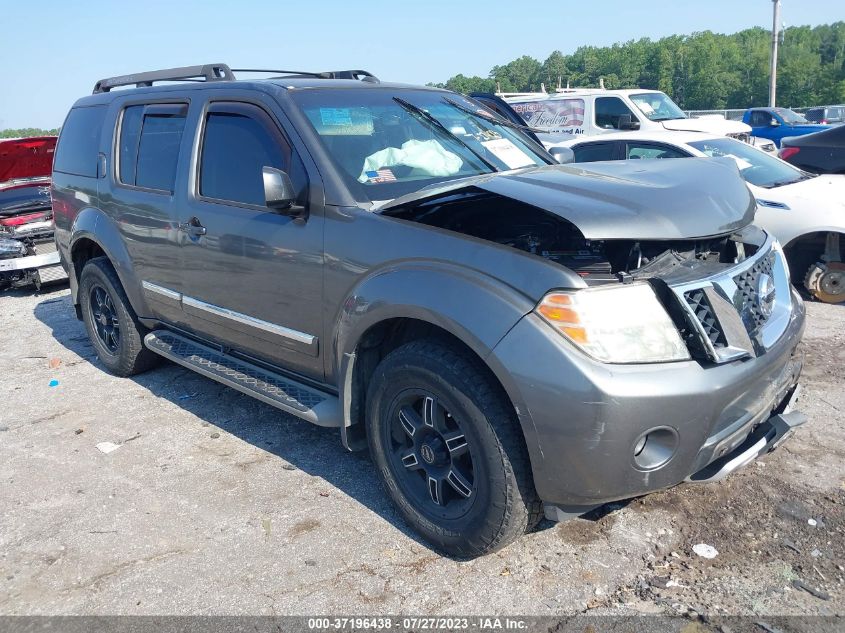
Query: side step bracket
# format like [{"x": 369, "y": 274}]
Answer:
[{"x": 279, "y": 391}]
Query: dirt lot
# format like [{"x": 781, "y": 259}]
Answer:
[{"x": 216, "y": 503}]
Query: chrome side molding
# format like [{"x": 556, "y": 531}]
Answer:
[{"x": 226, "y": 313}]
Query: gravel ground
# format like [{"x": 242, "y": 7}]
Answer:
[{"x": 215, "y": 503}]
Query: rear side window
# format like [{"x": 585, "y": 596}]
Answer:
[
  {"x": 148, "y": 151},
  {"x": 239, "y": 140},
  {"x": 80, "y": 141},
  {"x": 591, "y": 152}
]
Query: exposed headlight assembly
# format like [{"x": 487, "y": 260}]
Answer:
[
  {"x": 11, "y": 248},
  {"x": 621, "y": 324}
]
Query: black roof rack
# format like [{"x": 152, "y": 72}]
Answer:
[
  {"x": 208, "y": 72},
  {"x": 363, "y": 75},
  {"x": 218, "y": 72}
]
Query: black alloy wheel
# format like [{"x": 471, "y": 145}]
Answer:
[
  {"x": 105, "y": 319},
  {"x": 430, "y": 455},
  {"x": 113, "y": 327},
  {"x": 449, "y": 449}
]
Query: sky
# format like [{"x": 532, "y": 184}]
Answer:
[{"x": 52, "y": 52}]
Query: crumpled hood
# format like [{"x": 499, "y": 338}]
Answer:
[
  {"x": 712, "y": 125},
  {"x": 648, "y": 200},
  {"x": 26, "y": 158}
]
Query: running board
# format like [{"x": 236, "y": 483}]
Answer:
[{"x": 279, "y": 391}]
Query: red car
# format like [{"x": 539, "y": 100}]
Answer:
[{"x": 27, "y": 248}]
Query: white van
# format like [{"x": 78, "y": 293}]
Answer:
[{"x": 590, "y": 111}]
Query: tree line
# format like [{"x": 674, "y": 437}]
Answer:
[
  {"x": 26, "y": 132},
  {"x": 702, "y": 71}
]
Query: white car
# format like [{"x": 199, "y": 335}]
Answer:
[
  {"x": 597, "y": 111},
  {"x": 805, "y": 212}
]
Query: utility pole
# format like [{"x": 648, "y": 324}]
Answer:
[{"x": 773, "y": 79}]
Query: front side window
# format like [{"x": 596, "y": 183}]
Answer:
[
  {"x": 148, "y": 146},
  {"x": 761, "y": 118},
  {"x": 386, "y": 142},
  {"x": 608, "y": 111},
  {"x": 237, "y": 144},
  {"x": 592, "y": 152},
  {"x": 657, "y": 106},
  {"x": 652, "y": 150},
  {"x": 757, "y": 167}
]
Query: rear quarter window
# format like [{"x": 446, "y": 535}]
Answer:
[{"x": 79, "y": 142}]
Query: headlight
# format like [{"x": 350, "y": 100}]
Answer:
[
  {"x": 11, "y": 248},
  {"x": 622, "y": 324}
]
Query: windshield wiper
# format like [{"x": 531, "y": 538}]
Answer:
[
  {"x": 495, "y": 117},
  {"x": 785, "y": 181},
  {"x": 433, "y": 122}
]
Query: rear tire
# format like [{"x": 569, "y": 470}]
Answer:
[
  {"x": 449, "y": 449},
  {"x": 113, "y": 326}
]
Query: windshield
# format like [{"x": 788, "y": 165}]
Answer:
[
  {"x": 657, "y": 106},
  {"x": 756, "y": 166},
  {"x": 387, "y": 143},
  {"x": 789, "y": 117}
]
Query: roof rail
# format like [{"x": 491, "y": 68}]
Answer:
[
  {"x": 363, "y": 75},
  {"x": 218, "y": 72},
  {"x": 207, "y": 72}
]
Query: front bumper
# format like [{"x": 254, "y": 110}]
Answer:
[{"x": 582, "y": 419}]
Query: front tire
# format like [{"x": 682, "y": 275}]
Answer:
[
  {"x": 449, "y": 449},
  {"x": 113, "y": 326}
]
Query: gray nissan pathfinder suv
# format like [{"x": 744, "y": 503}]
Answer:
[{"x": 508, "y": 336}]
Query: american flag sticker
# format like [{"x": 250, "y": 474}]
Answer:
[{"x": 381, "y": 175}]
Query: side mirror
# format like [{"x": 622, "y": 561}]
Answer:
[
  {"x": 279, "y": 194},
  {"x": 626, "y": 122},
  {"x": 563, "y": 155}
]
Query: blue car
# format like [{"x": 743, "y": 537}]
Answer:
[{"x": 776, "y": 124}]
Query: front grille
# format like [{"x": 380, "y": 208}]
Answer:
[
  {"x": 703, "y": 311},
  {"x": 746, "y": 299},
  {"x": 723, "y": 317}
]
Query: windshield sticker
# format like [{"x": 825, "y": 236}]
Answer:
[
  {"x": 552, "y": 115},
  {"x": 508, "y": 153},
  {"x": 335, "y": 116},
  {"x": 380, "y": 175},
  {"x": 342, "y": 121}
]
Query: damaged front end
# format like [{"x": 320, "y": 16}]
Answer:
[
  {"x": 28, "y": 252},
  {"x": 684, "y": 230}
]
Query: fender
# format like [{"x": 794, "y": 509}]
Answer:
[
  {"x": 91, "y": 223},
  {"x": 809, "y": 230},
  {"x": 470, "y": 304}
]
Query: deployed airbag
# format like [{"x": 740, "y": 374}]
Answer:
[{"x": 429, "y": 157}]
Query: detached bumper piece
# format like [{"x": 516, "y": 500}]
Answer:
[
  {"x": 40, "y": 267},
  {"x": 764, "y": 439}
]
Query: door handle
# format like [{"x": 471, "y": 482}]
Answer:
[{"x": 193, "y": 228}]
